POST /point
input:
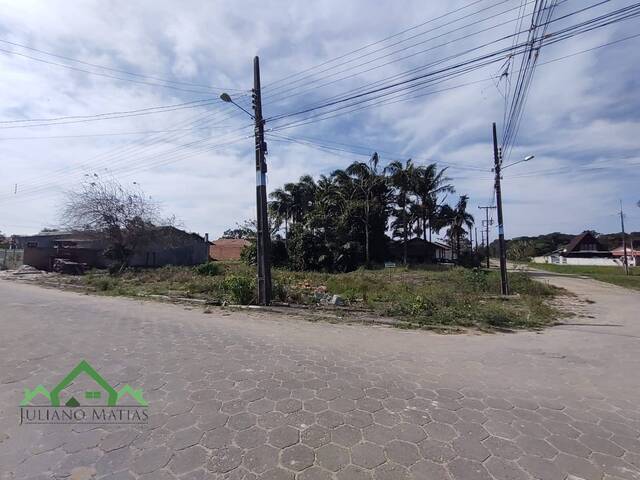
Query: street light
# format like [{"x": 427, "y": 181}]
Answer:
[
  {"x": 225, "y": 97},
  {"x": 525, "y": 159},
  {"x": 501, "y": 242}
]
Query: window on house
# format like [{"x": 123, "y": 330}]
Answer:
[{"x": 92, "y": 395}]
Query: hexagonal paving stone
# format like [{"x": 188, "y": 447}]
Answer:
[
  {"x": 315, "y": 436},
  {"x": 504, "y": 470},
  {"x": 463, "y": 469},
  {"x": 289, "y": 405},
  {"x": 277, "y": 474},
  {"x": 539, "y": 468},
  {"x": 241, "y": 421},
  {"x": 436, "y": 451},
  {"x": 386, "y": 418},
  {"x": 342, "y": 405},
  {"x": 301, "y": 419},
  {"x": 440, "y": 431},
  {"x": 297, "y": 457},
  {"x": 251, "y": 438},
  {"x": 225, "y": 459},
  {"x": 359, "y": 419},
  {"x": 346, "y": 435},
  {"x": 260, "y": 459},
  {"x": 261, "y": 406},
  {"x": 503, "y": 448},
  {"x": 152, "y": 460},
  {"x": 409, "y": 433},
  {"x": 351, "y": 472},
  {"x": 367, "y": 455},
  {"x": 284, "y": 436},
  {"x": 212, "y": 420},
  {"x": 403, "y": 453},
  {"x": 332, "y": 457},
  {"x": 188, "y": 459},
  {"x": 536, "y": 446},
  {"x": 315, "y": 405},
  {"x": 391, "y": 471},
  {"x": 315, "y": 473},
  {"x": 185, "y": 438},
  {"x": 428, "y": 470},
  {"x": 218, "y": 437},
  {"x": 330, "y": 419}
]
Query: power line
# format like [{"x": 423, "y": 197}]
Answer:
[
  {"x": 360, "y": 49},
  {"x": 127, "y": 72},
  {"x": 128, "y": 151},
  {"x": 479, "y": 62},
  {"x": 322, "y": 144},
  {"x": 100, "y": 74},
  {"x": 102, "y": 116},
  {"x": 69, "y": 117},
  {"x": 288, "y": 88},
  {"x": 489, "y": 58},
  {"x": 288, "y": 94},
  {"x": 157, "y": 161}
]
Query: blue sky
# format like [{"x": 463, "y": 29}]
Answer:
[{"x": 581, "y": 119}]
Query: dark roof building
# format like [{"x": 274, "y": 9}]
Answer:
[{"x": 585, "y": 245}]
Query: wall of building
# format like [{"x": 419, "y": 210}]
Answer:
[
  {"x": 593, "y": 261},
  {"x": 194, "y": 254},
  {"x": 42, "y": 258}
]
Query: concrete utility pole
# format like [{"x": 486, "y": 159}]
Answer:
[
  {"x": 497, "y": 158},
  {"x": 263, "y": 244},
  {"x": 624, "y": 241},
  {"x": 486, "y": 229},
  {"x": 476, "y": 240}
]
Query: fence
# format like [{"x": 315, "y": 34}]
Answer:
[{"x": 11, "y": 259}]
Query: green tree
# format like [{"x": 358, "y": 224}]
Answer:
[
  {"x": 458, "y": 218},
  {"x": 428, "y": 185},
  {"x": 402, "y": 179}
]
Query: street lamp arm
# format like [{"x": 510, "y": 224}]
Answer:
[
  {"x": 227, "y": 98},
  {"x": 525, "y": 159}
]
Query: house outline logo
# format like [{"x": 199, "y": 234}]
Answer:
[{"x": 113, "y": 396}]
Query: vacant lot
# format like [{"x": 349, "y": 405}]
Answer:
[
  {"x": 615, "y": 275},
  {"x": 436, "y": 296}
]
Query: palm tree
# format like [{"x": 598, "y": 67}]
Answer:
[
  {"x": 280, "y": 207},
  {"x": 401, "y": 177},
  {"x": 428, "y": 185},
  {"x": 366, "y": 179},
  {"x": 458, "y": 219},
  {"x": 302, "y": 197}
]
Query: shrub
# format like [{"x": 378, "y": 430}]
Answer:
[
  {"x": 239, "y": 288},
  {"x": 210, "y": 269},
  {"x": 249, "y": 254}
]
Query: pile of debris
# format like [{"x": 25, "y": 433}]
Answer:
[
  {"x": 27, "y": 270},
  {"x": 60, "y": 265}
]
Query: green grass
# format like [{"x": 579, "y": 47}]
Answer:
[
  {"x": 615, "y": 275},
  {"x": 433, "y": 296}
]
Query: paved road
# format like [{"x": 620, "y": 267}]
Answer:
[{"x": 237, "y": 396}]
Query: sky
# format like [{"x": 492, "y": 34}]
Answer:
[{"x": 195, "y": 155}]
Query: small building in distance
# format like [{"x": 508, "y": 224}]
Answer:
[
  {"x": 167, "y": 246},
  {"x": 421, "y": 251},
  {"x": 583, "y": 249},
  {"x": 227, "y": 248},
  {"x": 633, "y": 255}
]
